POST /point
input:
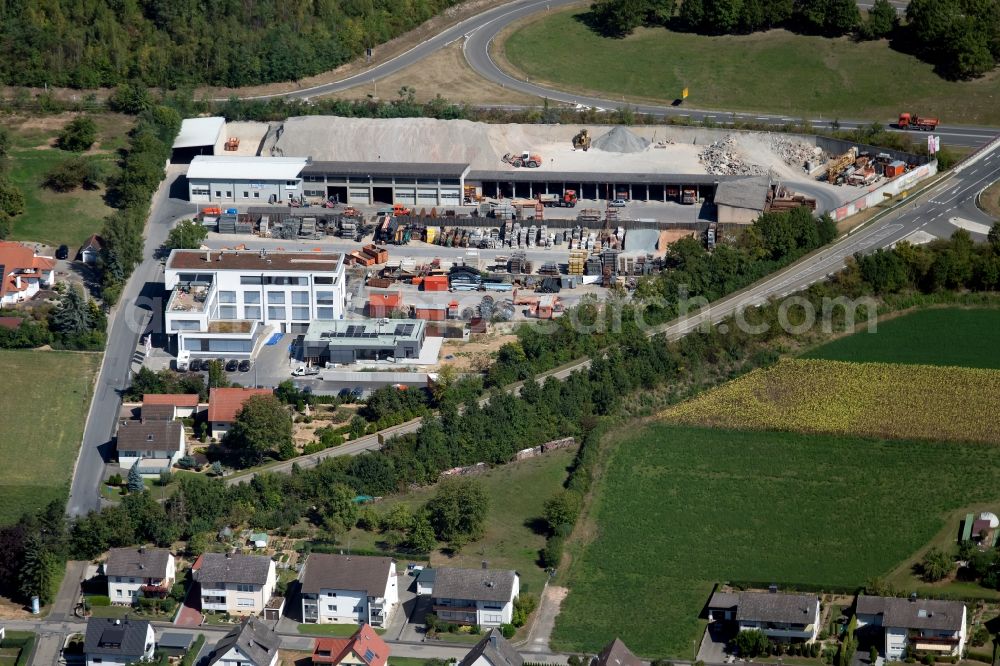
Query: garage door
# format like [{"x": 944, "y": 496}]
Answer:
[
  {"x": 360, "y": 196},
  {"x": 427, "y": 196},
  {"x": 406, "y": 195},
  {"x": 449, "y": 197}
]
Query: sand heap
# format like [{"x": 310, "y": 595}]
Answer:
[{"x": 621, "y": 140}]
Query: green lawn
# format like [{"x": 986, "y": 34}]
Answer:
[
  {"x": 517, "y": 492},
  {"x": 53, "y": 217},
  {"x": 679, "y": 509},
  {"x": 968, "y": 337},
  {"x": 821, "y": 78},
  {"x": 42, "y": 426}
]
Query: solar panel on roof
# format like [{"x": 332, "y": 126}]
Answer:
[{"x": 369, "y": 655}]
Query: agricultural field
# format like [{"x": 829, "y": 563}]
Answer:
[
  {"x": 42, "y": 425},
  {"x": 516, "y": 493},
  {"x": 968, "y": 337},
  {"x": 820, "y": 78},
  {"x": 54, "y": 218},
  {"x": 868, "y": 399},
  {"x": 678, "y": 509}
]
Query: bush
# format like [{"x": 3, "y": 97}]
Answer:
[
  {"x": 115, "y": 480},
  {"x": 187, "y": 462},
  {"x": 508, "y": 630},
  {"x": 99, "y": 600},
  {"x": 78, "y": 135},
  {"x": 552, "y": 553},
  {"x": 73, "y": 173}
]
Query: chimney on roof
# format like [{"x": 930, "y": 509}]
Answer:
[
  {"x": 913, "y": 596},
  {"x": 141, "y": 565},
  {"x": 493, "y": 639},
  {"x": 229, "y": 554},
  {"x": 142, "y": 550},
  {"x": 486, "y": 565},
  {"x": 772, "y": 588},
  {"x": 208, "y": 255}
]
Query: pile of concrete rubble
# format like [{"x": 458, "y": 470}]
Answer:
[
  {"x": 723, "y": 158},
  {"x": 796, "y": 153}
]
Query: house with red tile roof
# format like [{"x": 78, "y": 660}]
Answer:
[
  {"x": 225, "y": 403},
  {"x": 23, "y": 272},
  {"x": 364, "y": 648},
  {"x": 169, "y": 405}
]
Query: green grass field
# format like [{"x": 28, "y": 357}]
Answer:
[
  {"x": 968, "y": 337},
  {"x": 823, "y": 78},
  {"x": 679, "y": 509},
  {"x": 42, "y": 426},
  {"x": 517, "y": 492},
  {"x": 60, "y": 217}
]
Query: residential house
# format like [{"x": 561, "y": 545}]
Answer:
[
  {"x": 250, "y": 643},
  {"x": 137, "y": 572},
  {"x": 492, "y": 650},
  {"x": 117, "y": 642},
  {"x": 616, "y": 653},
  {"x": 928, "y": 626},
  {"x": 23, "y": 273},
  {"x": 235, "y": 584},
  {"x": 782, "y": 617},
  {"x": 222, "y": 303},
  {"x": 169, "y": 406},
  {"x": 364, "y": 648},
  {"x": 225, "y": 403},
  {"x": 156, "y": 445},
  {"x": 483, "y": 597},
  {"x": 90, "y": 252},
  {"x": 348, "y": 589}
]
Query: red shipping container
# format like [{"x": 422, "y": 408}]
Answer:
[
  {"x": 436, "y": 283},
  {"x": 431, "y": 313}
]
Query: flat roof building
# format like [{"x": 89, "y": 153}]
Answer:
[
  {"x": 349, "y": 341},
  {"x": 244, "y": 179},
  {"x": 221, "y": 302}
]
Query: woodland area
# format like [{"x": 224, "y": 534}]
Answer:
[{"x": 171, "y": 43}]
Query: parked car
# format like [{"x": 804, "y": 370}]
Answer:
[
  {"x": 233, "y": 365},
  {"x": 618, "y": 203},
  {"x": 195, "y": 365},
  {"x": 245, "y": 365},
  {"x": 62, "y": 252},
  {"x": 303, "y": 371}
]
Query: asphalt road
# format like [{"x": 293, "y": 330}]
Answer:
[
  {"x": 477, "y": 47},
  {"x": 126, "y": 324}
]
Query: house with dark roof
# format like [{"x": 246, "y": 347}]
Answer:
[
  {"x": 926, "y": 626},
  {"x": 169, "y": 406},
  {"x": 348, "y": 589},
  {"x": 225, "y": 403},
  {"x": 117, "y": 642},
  {"x": 493, "y": 650},
  {"x": 483, "y": 597},
  {"x": 616, "y": 653},
  {"x": 235, "y": 584},
  {"x": 782, "y": 617},
  {"x": 250, "y": 643},
  {"x": 138, "y": 572},
  {"x": 156, "y": 444},
  {"x": 364, "y": 648}
]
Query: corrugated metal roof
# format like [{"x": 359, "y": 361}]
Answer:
[
  {"x": 224, "y": 167},
  {"x": 542, "y": 175},
  {"x": 447, "y": 169},
  {"x": 199, "y": 132},
  {"x": 748, "y": 193}
]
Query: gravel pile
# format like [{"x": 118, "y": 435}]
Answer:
[
  {"x": 724, "y": 158},
  {"x": 621, "y": 140}
]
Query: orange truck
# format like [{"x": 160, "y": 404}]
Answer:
[
  {"x": 567, "y": 199},
  {"x": 913, "y": 121}
]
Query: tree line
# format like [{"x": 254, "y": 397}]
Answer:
[
  {"x": 170, "y": 43},
  {"x": 960, "y": 37}
]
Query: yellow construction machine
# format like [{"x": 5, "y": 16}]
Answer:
[{"x": 582, "y": 140}]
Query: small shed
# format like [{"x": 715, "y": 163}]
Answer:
[
  {"x": 175, "y": 643},
  {"x": 425, "y": 581},
  {"x": 274, "y": 608}
]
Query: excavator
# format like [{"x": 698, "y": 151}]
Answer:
[
  {"x": 582, "y": 140},
  {"x": 525, "y": 159}
]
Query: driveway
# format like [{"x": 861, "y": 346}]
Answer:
[
  {"x": 714, "y": 642},
  {"x": 408, "y": 621},
  {"x": 545, "y": 620}
]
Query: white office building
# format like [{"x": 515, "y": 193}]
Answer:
[
  {"x": 223, "y": 302},
  {"x": 224, "y": 179}
]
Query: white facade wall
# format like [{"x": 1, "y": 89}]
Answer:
[
  {"x": 127, "y": 458},
  {"x": 32, "y": 287},
  {"x": 239, "y": 599},
  {"x": 236, "y": 657},
  {"x": 252, "y": 192},
  {"x": 125, "y": 589},
  {"x": 342, "y": 607},
  {"x": 233, "y": 296}
]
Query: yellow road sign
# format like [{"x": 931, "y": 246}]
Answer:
[{"x": 684, "y": 94}]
